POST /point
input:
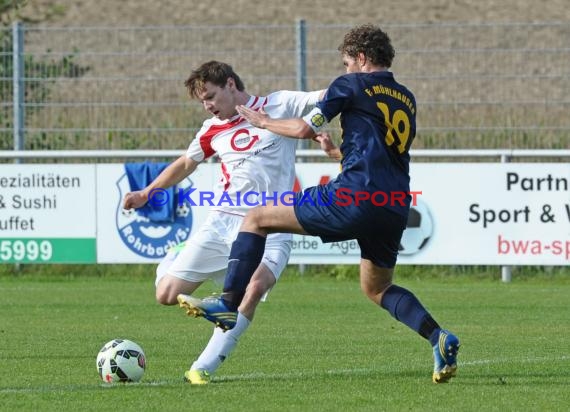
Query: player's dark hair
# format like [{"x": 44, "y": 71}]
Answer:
[
  {"x": 214, "y": 72},
  {"x": 370, "y": 40}
]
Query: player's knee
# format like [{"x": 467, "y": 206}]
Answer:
[
  {"x": 374, "y": 280},
  {"x": 254, "y": 220},
  {"x": 374, "y": 291},
  {"x": 161, "y": 297},
  {"x": 164, "y": 296},
  {"x": 369, "y": 292},
  {"x": 251, "y": 216}
]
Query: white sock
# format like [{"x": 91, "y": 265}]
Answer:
[{"x": 220, "y": 345}]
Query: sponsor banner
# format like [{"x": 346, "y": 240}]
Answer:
[
  {"x": 48, "y": 250},
  {"x": 474, "y": 213},
  {"x": 47, "y": 213},
  {"x": 507, "y": 214}
]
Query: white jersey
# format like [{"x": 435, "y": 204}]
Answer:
[{"x": 252, "y": 159}]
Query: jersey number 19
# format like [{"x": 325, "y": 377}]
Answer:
[{"x": 397, "y": 127}]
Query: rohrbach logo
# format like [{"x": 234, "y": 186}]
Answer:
[{"x": 150, "y": 239}]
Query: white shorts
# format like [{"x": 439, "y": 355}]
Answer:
[{"x": 205, "y": 254}]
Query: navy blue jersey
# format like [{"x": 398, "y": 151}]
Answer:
[{"x": 378, "y": 123}]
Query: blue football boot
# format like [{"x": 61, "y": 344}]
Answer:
[
  {"x": 444, "y": 355},
  {"x": 211, "y": 308}
]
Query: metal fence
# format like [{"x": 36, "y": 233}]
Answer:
[{"x": 477, "y": 85}]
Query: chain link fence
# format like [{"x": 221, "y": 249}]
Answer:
[{"x": 477, "y": 85}]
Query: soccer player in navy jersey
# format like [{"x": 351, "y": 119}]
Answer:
[{"x": 368, "y": 201}]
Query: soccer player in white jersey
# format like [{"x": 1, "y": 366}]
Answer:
[{"x": 252, "y": 160}]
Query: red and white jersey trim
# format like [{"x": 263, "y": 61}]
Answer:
[{"x": 252, "y": 159}]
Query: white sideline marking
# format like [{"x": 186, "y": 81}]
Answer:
[
  {"x": 45, "y": 389},
  {"x": 261, "y": 375},
  {"x": 507, "y": 360}
]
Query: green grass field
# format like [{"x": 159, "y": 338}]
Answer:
[{"x": 317, "y": 344}]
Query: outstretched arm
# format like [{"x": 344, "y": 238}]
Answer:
[
  {"x": 173, "y": 174},
  {"x": 295, "y": 127}
]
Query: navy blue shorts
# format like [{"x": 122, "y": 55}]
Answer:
[{"x": 377, "y": 229}]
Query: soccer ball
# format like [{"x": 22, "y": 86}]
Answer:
[
  {"x": 121, "y": 360},
  {"x": 127, "y": 212},
  {"x": 419, "y": 229},
  {"x": 182, "y": 210}
]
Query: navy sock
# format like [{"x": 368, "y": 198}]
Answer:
[
  {"x": 406, "y": 308},
  {"x": 245, "y": 256}
]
